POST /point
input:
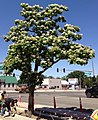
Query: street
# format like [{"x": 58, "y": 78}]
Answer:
[{"x": 63, "y": 99}]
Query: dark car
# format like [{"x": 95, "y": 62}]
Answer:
[{"x": 92, "y": 91}]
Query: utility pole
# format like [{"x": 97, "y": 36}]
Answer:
[
  {"x": 93, "y": 67},
  {"x": 94, "y": 79}
]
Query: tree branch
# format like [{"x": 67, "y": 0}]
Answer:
[{"x": 48, "y": 66}]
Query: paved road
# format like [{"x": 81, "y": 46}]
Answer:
[
  {"x": 63, "y": 99},
  {"x": 51, "y": 94}
]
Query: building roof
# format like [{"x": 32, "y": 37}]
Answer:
[{"x": 8, "y": 79}]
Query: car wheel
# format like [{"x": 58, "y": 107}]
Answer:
[
  {"x": 88, "y": 94},
  {"x": 95, "y": 96},
  {"x": 20, "y": 91}
]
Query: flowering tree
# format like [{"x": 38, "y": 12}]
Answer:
[{"x": 40, "y": 39}]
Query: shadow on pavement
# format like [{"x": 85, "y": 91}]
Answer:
[{"x": 63, "y": 113}]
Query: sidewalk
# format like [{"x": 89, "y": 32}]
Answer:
[
  {"x": 17, "y": 117},
  {"x": 22, "y": 106},
  {"x": 57, "y": 90}
]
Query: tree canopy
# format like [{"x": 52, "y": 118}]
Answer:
[
  {"x": 39, "y": 38},
  {"x": 76, "y": 74}
]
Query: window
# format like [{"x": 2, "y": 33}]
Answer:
[
  {"x": 9, "y": 85},
  {"x": 4, "y": 85},
  {"x": 13, "y": 85}
]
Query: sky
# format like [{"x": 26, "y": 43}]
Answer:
[{"x": 82, "y": 13}]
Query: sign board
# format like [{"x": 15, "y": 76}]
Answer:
[
  {"x": 73, "y": 81},
  {"x": 1, "y": 67},
  {"x": 94, "y": 115},
  {"x": 88, "y": 74}
]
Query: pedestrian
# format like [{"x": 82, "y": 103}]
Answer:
[
  {"x": 7, "y": 103},
  {"x": 2, "y": 93},
  {"x": 10, "y": 104},
  {"x": 2, "y": 105},
  {"x": 1, "y": 98}
]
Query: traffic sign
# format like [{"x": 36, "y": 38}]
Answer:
[
  {"x": 94, "y": 115},
  {"x": 88, "y": 74},
  {"x": 1, "y": 67}
]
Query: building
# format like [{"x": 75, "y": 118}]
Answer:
[
  {"x": 73, "y": 81},
  {"x": 52, "y": 83},
  {"x": 64, "y": 84},
  {"x": 8, "y": 83}
]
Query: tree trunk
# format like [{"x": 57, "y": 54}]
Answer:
[{"x": 31, "y": 101}]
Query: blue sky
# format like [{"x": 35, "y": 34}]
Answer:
[{"x": 83, "y": 13}]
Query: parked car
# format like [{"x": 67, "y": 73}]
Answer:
[
  {"x": 22, "y": 89},
  {"x": 92, "y": 91}
]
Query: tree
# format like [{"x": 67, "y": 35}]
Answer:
[
  {"x": 39, "y": 38},
  {"x": 77, "y": 74},
  {"x": 88, "y": 82},
  {"x": 97, "y": 79},
  {"x": 64, "y": 78},
  {"x": 82, "y": 78},
  {"x": 58, "y": 78},
  {"x": 51, "y": 77},
  {"x": 21, "y": 81}
]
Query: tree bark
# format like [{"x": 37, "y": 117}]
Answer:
[{"x": 31, "y": 101}]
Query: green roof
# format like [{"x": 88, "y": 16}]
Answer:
[{"x": 9, "y": 79}]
